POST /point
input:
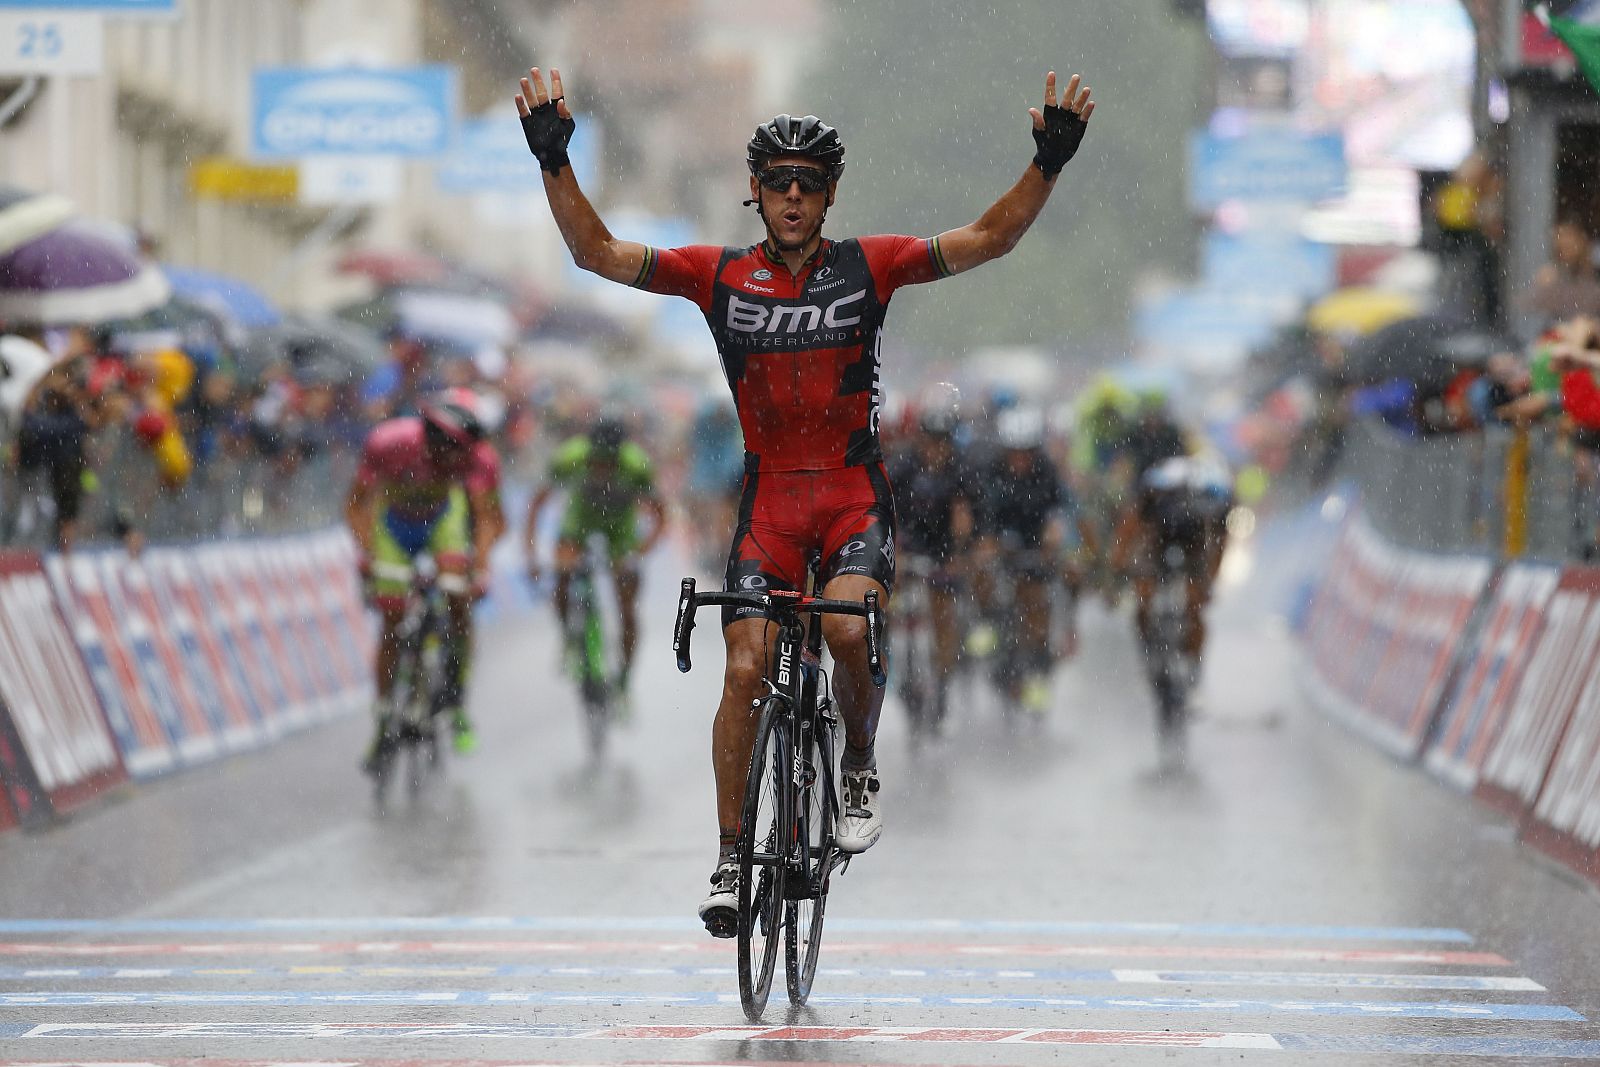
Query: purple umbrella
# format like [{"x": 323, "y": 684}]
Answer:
[{"x": 70, "y": 277}]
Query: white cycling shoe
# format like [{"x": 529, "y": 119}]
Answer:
[
  {"x": 720, "y": 910},
  {"x": 862, "y": 824}
]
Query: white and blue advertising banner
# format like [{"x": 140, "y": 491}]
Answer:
[
  {"x": 491, "y": 156},
  {"x": 1280, "y": 264},
  {"x": 352, "y": 111},
  {"x": 103, "y": 7},
  {"x": 1264, "y": 164}
]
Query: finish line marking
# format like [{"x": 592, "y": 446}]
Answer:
[
  {"x": 478, "y": 997},
  {"x": 1489, "y": 1045},
  {"x": 1295, "y": 979},
  {"x": 592, "y": 948},
  {"x": 460, "y": 924}
]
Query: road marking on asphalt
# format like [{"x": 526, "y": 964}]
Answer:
[
  {"x": 1426, "y": 957},
  {"x": 1124, "y": 976},
  {"x": 1568, "y": 1050},
  {"x": 460, "y": 924},
  {"x": 479, "y": 997}
]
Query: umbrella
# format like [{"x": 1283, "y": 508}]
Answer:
[
  {"x": 1360, "y": 310},
  {"x": 231, "y": 298},
  {"x": 70, "y": 277},
  {"x": 316, "y": 348},
  {"x": 25, "y": 215},
  {"x": 1427, "y": 349}
]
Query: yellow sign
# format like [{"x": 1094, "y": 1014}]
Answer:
[{"x": 227, "y": 178}]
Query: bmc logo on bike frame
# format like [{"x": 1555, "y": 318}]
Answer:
[{"x": 747, "y": 317}]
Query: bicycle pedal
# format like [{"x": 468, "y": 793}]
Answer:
[{"x": 723, "y": 923}]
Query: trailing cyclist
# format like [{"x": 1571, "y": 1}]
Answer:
[
  {"x": 934, "y": 494},
  {"x": 796, "y": 320},
  {"x": 608, "y": 480},
  {"x": 1177, "y": 517},
  {"x": 1022, "y": 537},
  {"x": 427, "y": 483}
]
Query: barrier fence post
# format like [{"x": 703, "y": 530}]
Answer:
[{"x": 1516, "y": 494}]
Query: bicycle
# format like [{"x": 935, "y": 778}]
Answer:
[
  {"x": 1167, "y": 663},
  {"x": 785, "y": 847},
  {"x": 410, "y": 726},
  {"x": 1013, "y": 666},
  {"x": 924, "y": 686},
  {"x": 589, "y": 656}
]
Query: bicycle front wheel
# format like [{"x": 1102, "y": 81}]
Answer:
[
  {"x": 765, "y": 830},
  {"x": 817, "y": 814}
]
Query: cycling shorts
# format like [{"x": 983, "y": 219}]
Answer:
[
  {"x": 621, "y": 532},
  {"x": 399, "y": 539},
  {"x": 846, "y": 515}
]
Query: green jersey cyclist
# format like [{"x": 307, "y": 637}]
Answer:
[
  {"x": 797, "y": 320},
  {"x": 608, "y": 480}
]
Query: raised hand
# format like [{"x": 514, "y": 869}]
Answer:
[
  {"x": 1059, "y": 127},
  {"x": 547, "y": 122}
]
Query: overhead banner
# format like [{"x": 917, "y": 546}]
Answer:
[
  {"x": 1264, "y": 163},
  {"x": 353, "y": 111}
]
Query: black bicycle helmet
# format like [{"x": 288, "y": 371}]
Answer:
[
  {"x": 453, "y": 415},
  {"x": 786, "y": 135},
  {"x": 607, "y": 435}
]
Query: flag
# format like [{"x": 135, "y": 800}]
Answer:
[{"x": 1580, "y": 32}]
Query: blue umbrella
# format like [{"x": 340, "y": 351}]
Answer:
[
  {"x": 231, "y": 298},
  {"x": 72, "y": 277}
]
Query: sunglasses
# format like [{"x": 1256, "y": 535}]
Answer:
[{"x": 778, "y": 179}]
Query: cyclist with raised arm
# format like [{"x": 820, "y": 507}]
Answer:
[
  {"x": 609, "y": 480},
  {"x": 427, "y": 483},
  {"x": 796, "y": 319}
]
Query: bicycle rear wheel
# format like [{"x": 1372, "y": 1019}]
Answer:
[
  {"x": 763, "y": 847},
  {"x": 817, "y": 812}
]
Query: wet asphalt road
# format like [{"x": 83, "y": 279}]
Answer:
[{"x": 1298, "y": 898}]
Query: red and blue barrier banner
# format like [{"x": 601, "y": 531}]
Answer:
[
  {"x": 201, "y": 637},
  {"x": 197, "y": 652},
  {"x": 138, "y": 731},
  {"x": 1384, "y": 633},
  {"x": 1565, "y": 818},
  {"x": 1559, "y": 670},
  {"x": 56, "y": 749},
  {"x": 1493, "y": 666}
]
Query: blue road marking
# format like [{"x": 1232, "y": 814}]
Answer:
[
  {"x": 1124, "y": 976},
  {"x": 460, "y": 924},
  {"x": 1465, "y": 1011}
]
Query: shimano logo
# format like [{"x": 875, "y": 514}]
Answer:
[
  {"x": 746, "y": 317},
  {"x": 853, "y": 547},
  {"x": 824, "y": 272},
  {"x": 755, "y": 583}
]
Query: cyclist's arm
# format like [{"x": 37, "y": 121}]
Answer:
[
  {"x": 657, "y": 510},
  {"x": 530, "y": 527},
  {"x": 361, "y": 516},
  {"x": 488, "y": 523}
]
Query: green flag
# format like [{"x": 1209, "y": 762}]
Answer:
[{"x": 1584, "y": 40}]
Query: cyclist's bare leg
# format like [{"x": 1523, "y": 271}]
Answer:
[
  {"x": 625, "y": 575},
  {"x": 568, "y": 556},
  {"x": 749, "y": 644},
  {"x": 1144, "y": 591},
  {"x": 858, "y": 700},
  {"x": 1033, "y": 607},
  {"x": 455, "y": 581},
  {"x": 1198, "y": 596},
  {"x": 388, "y": 648},
  {"x": 946, "y": 640}
]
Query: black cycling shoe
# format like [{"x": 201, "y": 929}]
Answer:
[{"x": 720, "y": 910}]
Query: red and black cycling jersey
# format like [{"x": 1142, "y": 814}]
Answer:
[{"x": 800, "y": 351}]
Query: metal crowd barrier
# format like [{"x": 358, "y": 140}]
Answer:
[
  {"x": 1518, "y": 493},
  {"x": 229, "y": 495}
]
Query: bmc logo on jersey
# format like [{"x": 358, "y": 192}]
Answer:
[{"x": 792, "y": 318}]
